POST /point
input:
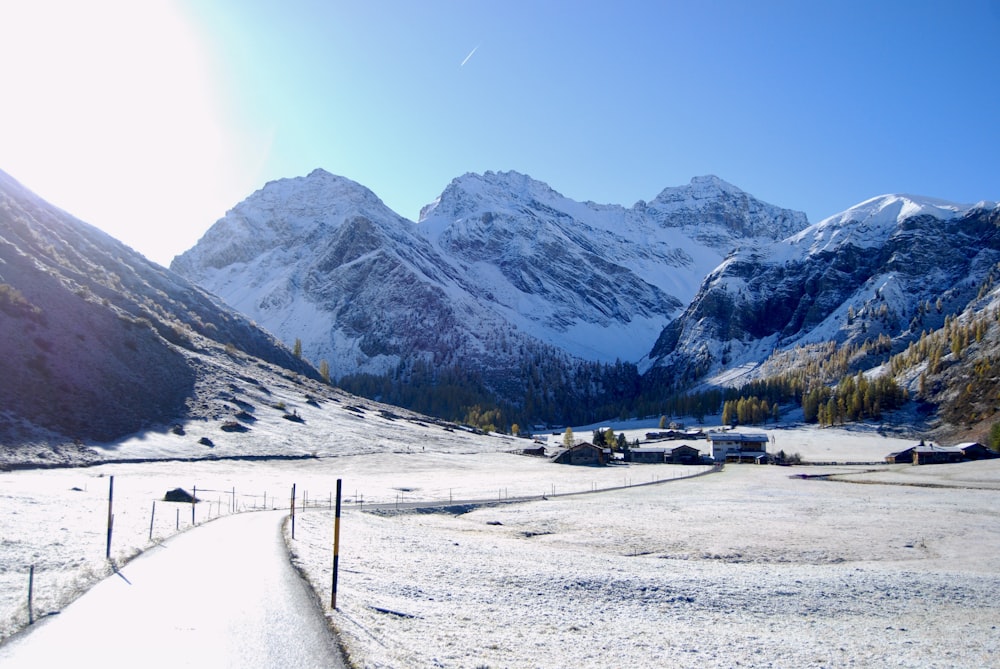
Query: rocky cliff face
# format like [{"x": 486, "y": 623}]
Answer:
[{"x": 870, "y": 271}]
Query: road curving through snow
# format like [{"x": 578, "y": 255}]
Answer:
[{"x": 224, "y": 595}]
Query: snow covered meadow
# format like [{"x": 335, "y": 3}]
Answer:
[
  {"x": 751, "y": 566},
  {"x": 748, "y": 567}
]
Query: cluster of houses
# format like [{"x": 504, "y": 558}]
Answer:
[
  {"x": 733, "y": 447},
  {"x": 929, "y": 454},
  {"x": 722, "y": 447}
]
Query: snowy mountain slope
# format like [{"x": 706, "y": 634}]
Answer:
[
  {"x": 96, "y": 341},
  {"x": 597, "y": 281},
  {"x": 869, "y": 271},
  {"x": 500, "y": 264},
  {"x": 322, "y": 260}
]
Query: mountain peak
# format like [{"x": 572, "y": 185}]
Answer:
[
  {"x": 319, "y": 172},
  {"x": 467, "y": 194},
  {"x": 711, "y": 200},
  {"x": 870, "y": 223},
  {"x": 280, "y": 215},
  {"x": 308, "y": 195},
  {"x": 895, "y": 207},
  {"x": 710, "y": 182},
  {"x": 708, "y": 187},
  {"x": 505, "y": 184}
]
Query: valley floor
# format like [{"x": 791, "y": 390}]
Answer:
[
  {"x": 754, "y": 566},
  {"x": 748, "y": 567}
]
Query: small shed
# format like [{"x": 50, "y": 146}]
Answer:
[{"x": 179, "y": 495}]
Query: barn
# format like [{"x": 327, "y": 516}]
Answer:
[
  {"x": 929, "y": 454},
  {"x": 647, "y": 455},
  {"x": 584, "y": 453},
  {"x": 685, "y": 455}
]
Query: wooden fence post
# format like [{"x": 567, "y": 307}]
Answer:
[
  {"x": 292, "y": 507},
  {"x": 152, "y": 516},
  {"x": 111, "y": 516},
  {"x": 336, "y": 549},
  {"x": 31, "y": 592}
]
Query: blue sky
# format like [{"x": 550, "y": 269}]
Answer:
[{"x": 151, "y": 119}]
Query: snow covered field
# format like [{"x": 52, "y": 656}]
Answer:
[{"x": 752, "y": 566}]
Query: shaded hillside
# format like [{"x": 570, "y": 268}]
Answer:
[{"x": 96, "y": 342}]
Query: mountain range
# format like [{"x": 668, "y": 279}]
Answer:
[
  {"x": 521, "y": 294},
  {"x": 322, "y": 259},
  {"x": 534, "y": 295},
  {"x": 504, "y": 302}
]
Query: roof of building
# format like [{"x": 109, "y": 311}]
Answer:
[
  {"x": 738, "y": 436},
  {"x": 931, "y": 448}
]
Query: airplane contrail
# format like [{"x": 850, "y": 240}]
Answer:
[{"x": 469, "y": 56}]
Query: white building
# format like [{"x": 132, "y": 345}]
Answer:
[{"x": 744, "y": 446}]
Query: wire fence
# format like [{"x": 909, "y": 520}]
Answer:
[
  {"x": 70, "y": 539},
  {"x": 58, "y": 543}
]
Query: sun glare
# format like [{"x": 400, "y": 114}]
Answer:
[{"x": 105, "y": 102}]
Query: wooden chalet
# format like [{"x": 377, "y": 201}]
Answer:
[
  {"x": 584, "y": 453},
  {"x": 929, "y": 454},
  {"x": 684, "y": 455},
  {"x": 647, "y": 455}
]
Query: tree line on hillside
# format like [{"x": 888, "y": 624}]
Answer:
[
  {"x": 539, "y": 390},
  {"x": 826, "y": 380}
]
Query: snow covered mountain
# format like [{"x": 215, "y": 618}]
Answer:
[
  {"x": 499, "y": 265},
  {"x": 892, "y": 266},
  {"x": 597, "y": 281}
]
